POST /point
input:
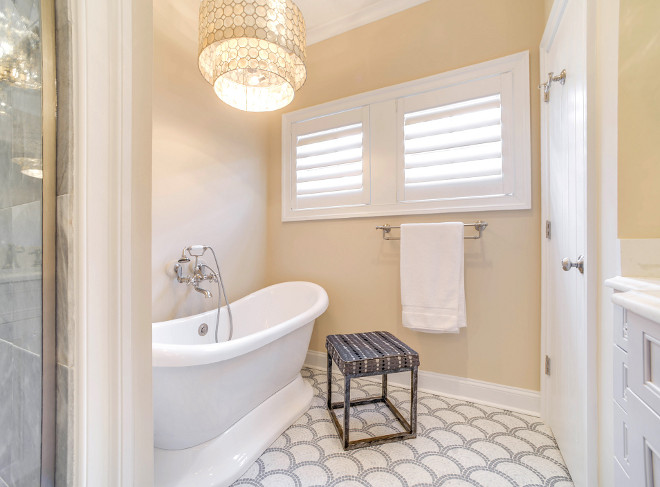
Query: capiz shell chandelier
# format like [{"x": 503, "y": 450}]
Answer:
[{"x": 252, "y": 51}]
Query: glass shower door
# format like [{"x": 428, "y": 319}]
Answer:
[{"x": 26, "y": 260}]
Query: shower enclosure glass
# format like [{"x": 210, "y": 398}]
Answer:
[{"x": 27, "y": 236}]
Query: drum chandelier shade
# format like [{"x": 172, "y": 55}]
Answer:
[{"x": 252, "y": 51}]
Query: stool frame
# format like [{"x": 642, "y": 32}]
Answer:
[{"x": 343, "y": 432}]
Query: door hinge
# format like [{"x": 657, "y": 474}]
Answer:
[
  {"x": 548, "y": 229},
  {"x": 547, "y": 365}
]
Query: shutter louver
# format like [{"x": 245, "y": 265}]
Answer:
[
  {"x": 329, "y": 166},
  {"x": 453, "y": 150}
]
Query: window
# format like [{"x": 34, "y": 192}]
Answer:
[
  {"x": 458, "y": 141},
  {"x": 331, "y": 160}
]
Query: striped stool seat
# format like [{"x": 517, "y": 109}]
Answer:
[
  {"x": 377, "y": 352},
  {"x": 366, "y": 354}
]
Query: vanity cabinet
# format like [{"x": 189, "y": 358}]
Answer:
[{"x": 636, "y": 391}]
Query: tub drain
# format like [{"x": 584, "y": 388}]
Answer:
[{"x": 203, "y": 329}]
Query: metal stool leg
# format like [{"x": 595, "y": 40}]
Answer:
[
  {"x": 347, "y": 409},
  {"x": 329, "y": 381},
  {"x": 413, "y": 401}
]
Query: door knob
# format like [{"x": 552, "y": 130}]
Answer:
[{"x": 567, "y": 265}]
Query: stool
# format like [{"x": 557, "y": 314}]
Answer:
[{"x": 363, "y": 355}]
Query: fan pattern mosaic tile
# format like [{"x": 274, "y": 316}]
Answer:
[{"x": 458, "y": 444}]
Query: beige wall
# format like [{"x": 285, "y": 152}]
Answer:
[
  {"x": 209, "y": 176},
  {"x": 349, "y": 258},
  {"x": 141, "y": 209},
  {"x": 548, "y": 7},
  {"x": 639, "y": 119}
]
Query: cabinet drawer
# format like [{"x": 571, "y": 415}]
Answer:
[
  {"x": 644, "y": 444},
  {"x": 620, "y": 376},
  {"x": 621, "y": 478},
  {"x": 644, "y": 360},
  {"x": 620, "y": 327},
  {"x": 621, "y": 438}
]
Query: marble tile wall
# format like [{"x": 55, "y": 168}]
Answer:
[
  {"x": 20, "y": 274},
  {"x": 20, "y": 344},
  {"x": 20, "y": 291},
  {"x": 6, "y": 412},
  {"x": 19, "y": 117},
  {"x": 65, "y": 285},
  {"x": 20, "y": 377},
  {"x": 20, "y": 443},
  {"x": 20, "y": 283}
]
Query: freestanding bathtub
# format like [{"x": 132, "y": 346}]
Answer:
[{"x": 218, "y": 406}]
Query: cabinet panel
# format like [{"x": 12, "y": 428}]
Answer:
[
  {"x": 620, "y": 328},
  {"x": 644, "y": 363},
  {"x": 621, "y": 437},
  {"x": 644, "y": 444},
  {"x": 620, "y": 376},
  {"x": 621, "y": 478}
]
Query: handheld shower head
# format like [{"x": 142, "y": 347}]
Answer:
[
  {"x": 197, "y": 250},
  {"x": 184, "y": 259}
]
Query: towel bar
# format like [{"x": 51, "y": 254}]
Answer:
[{"x": 478, "y": 225}]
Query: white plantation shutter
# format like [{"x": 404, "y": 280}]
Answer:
[
  {"x": 331, "y": 155},
  {"x": 454, "y": 142}
]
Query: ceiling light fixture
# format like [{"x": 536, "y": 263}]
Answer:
[{"x": 252, "y": 51}]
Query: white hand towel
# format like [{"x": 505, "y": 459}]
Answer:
[{"x": 432, "y": 281}]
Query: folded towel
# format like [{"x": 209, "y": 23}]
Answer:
[{"x": 432, "y": 282}]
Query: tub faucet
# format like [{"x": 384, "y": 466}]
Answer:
[
  {"x": 198, "y": 276},
  {"x": 205, "y": 292},
  {"x": 201, "y": 273}
]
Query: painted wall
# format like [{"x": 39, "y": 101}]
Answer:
[
  {"x": 548, "y": 7},
  {"x": 604, "y": 52},
  {"x": 639, "y": 119},
  {"x": 349, "y": 258},
  {"x": 209, "y": 176}
]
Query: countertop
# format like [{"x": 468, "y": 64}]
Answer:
[{"x": 639, "y": 295}]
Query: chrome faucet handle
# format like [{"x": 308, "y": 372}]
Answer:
[
  {"x": 211, "y": 276},
  {"x": 178, "y": 269}
]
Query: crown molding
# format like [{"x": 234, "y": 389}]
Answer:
[{"x": 352, "y": 20}]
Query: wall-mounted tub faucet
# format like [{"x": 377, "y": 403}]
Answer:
[{"x": 201, "y": 273}]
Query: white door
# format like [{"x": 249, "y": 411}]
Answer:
[{"x": 567, "y": 390}]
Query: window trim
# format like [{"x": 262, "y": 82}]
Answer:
[{"x": 516, "y": 64}]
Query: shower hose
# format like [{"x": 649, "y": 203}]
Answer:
[{"x": 221, "y": 286}]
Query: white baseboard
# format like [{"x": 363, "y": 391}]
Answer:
[{"x": 506, "y": 397}]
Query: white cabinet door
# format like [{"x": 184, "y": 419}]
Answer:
[
  {"x": 644, "y": 350},
  {"x": 644, "y": 444}
]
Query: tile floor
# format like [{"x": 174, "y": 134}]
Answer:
[{"x": 458, "y": 444}]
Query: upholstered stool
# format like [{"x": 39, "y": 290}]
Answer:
[{"x": 362, "y": 355}]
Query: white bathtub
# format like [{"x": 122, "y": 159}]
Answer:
[{"x": 218, "y": 406}]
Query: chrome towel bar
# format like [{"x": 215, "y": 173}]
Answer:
[{"x": 478, "y": 226}]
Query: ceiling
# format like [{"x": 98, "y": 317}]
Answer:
[{"x": 328, "y": 18}]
